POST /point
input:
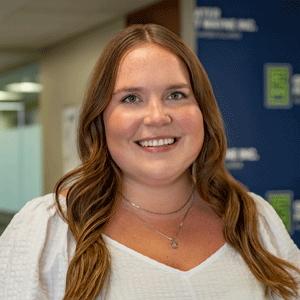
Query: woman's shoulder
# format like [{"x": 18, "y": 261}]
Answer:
[
  {"x": 273, "y": 232},
  {"x": 35, "y": 221},
  {"x": 268, "y": 217},
  {"x": 264, "y": 208},
  {"x": 36, "y": 241},
  {"x": 39, "y": 209},
  {"x": 44, "y": 203}
]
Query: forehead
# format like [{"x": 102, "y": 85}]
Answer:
[{"x": 151, "y": 60}]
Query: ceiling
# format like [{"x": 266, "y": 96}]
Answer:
[{"x": 27, "y": 26}]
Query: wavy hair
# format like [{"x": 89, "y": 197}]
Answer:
[{"x": 93, "y": 187}]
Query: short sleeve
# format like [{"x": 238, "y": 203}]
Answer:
[
  {"x": 34, "y": 253},
  {"x": 274, "y": 235}
]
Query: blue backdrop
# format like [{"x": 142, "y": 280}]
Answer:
[{"x": 250, "y": 51}]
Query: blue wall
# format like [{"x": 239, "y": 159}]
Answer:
[{"x": 251, "y": 52}]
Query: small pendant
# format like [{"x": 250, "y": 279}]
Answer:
[{"x": 174, "y": 244}]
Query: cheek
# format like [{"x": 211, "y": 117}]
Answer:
[
  {"x": 191, "y": 121},
  {"x": 119, "y": 124}
]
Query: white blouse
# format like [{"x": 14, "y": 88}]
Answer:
[{"x": 37, "y": 246}]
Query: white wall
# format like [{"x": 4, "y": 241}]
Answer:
[
  {"x": 187, "y": 30},
  {"x": 64, "y": 76}
]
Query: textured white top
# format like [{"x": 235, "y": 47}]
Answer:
[{"x": 37, "y": 246}]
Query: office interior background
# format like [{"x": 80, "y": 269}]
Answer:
[{"x": 249, "y": 50}]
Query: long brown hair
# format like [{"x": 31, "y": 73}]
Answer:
[{"x": 94, "y": 186}]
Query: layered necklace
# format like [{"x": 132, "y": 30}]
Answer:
[{"x": 174, "y": 244}]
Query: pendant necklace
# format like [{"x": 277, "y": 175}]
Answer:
[{"x": 174, "y": 244}]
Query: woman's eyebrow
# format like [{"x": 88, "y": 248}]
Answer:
[
  {"x": 128, "y": 90},
  {"x": 139, "y": 89},
  {"x": 178, "y": 86}
]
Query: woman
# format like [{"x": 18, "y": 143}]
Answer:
[{"x": 152, "y": 212}]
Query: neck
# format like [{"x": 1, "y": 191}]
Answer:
[{"x": 159, "y": 200}]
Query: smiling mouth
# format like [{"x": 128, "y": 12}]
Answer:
[{"x": 157, "y": 145}]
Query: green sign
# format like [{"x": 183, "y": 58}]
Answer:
[
  {"x": 277, "y": 86},
  {"x": 281, "y": 202}
]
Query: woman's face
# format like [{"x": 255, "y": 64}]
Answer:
[{"x": 153, "y": 97}]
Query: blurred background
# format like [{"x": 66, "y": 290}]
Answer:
[
  {"x": 250, "y": 51},
  {"x": 47, "y": 52}
]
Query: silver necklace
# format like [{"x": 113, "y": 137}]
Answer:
[
  {"x": 174, "y": 244},
  {"x": 156, "y": 213}
]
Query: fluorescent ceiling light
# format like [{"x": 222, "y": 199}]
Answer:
[
  {"x": 9, "y": 96},
  {"x": 24, "y": 87}
]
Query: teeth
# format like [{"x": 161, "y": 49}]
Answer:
[{"x": 157, "y": 143}]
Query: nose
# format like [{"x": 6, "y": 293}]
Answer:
[{"x": 156, "y": 113}]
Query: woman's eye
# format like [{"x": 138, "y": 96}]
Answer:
[
  {"x": 130, "y": 99},
  {"x": 177, "y": 95}
]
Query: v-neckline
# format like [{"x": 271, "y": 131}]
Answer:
[{"x": 163, "y": 266}]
